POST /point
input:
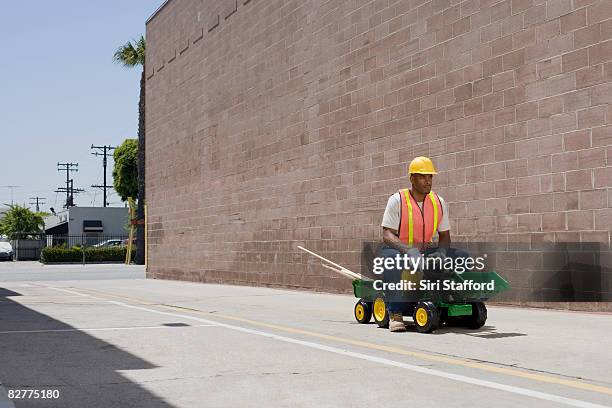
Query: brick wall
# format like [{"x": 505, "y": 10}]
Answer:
[{"x": 277, "y": 123}]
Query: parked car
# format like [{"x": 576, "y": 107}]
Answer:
[
  {"x": 109, "y": 243},
  {"x": 6, "y": 251}
]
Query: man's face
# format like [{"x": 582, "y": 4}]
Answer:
[{"x": 421, "y": 182}]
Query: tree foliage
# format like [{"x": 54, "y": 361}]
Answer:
[
  {"x": 21, "y": 219},
  {"x": 131, "y": 54},
  {"x": 125, "y": 171}
]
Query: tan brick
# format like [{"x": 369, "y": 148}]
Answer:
[
  {"x": 512, "y": 25},
  {"x": 539, "y": 165},
  {"x": 535, "y": 15},
  {"x": 482, "y": 87},
  {"x": 496, "y": 206},
  {"x": 600, "y": 52},
  {"x": 593, "y": 199},
  {"x": 602, "y": 136},
  {"x": 484, "y": 190},
  {"x": 503, "y": 81},
  {"x": 515, "y": 132},
  {"x": 590, "y": 158},
  {"x": 558, "y": 8},
  {"x": 541, "y": 203},
  {"x": 589, "y": 76},
  {"x": 603, "y": 219},
  {"x": 517, "y": 205},
  {"x": 526, "y": 74},
  {"x": 587, "y": 36},
  {"x": 538, "y": 127},
  {"x": 495, "y": 171},
  {"x": 483, "y": 155},
  {"x": 501, "y": 46},
  {"x": 579, "y": 180},
  {"x": 580, "y": 220},
  {"x": 493, "y": 101},
  {"x": 513, "y": 59},
  {"x": 526, "y": 111},
  {"x": 463, "y": 92},
  {"x": 505, "y": 116},
  {"x": 527, "y": 148},
  {"x": 472, "y": 107},
  {"x": 549, "y": 68},
  {"x": 505, "y": 188},
  {"x": 523, "y": 38},
  {"x": 576, "y": 140},
  {"x": 599, "y": 11},
  {"x": 576, "y": 100},
  {"x": 549, "y": 145},
  {"x": 486, "y": 224},
  {"x": 501, "y": 10},
  {"x": 553, "y": 222},
  {"x": 527, "y": 185},
  {"x": 492, "y": 66},
  {"x": 602, "y": 237},
  {"x": 575, "y": 60},
  {"x": 564, "y": 161},
  {"x": 516, "y": 168},
  {"x": 518, "y": 6},
  {"x": 548, "y": 30},
  {"x": 563, "y": 122},
  {"x": 507, "y": 223},
  {"x": 573, "y": 21},
  {"x": 601, "y": 94},
  {"x": 603, "y": 178},
  {"x": 530, "y": 222},
  {"x": 566, "y": 201},
  {"x": 551, "y": 106},
  {"x": 592, "y": 117}
]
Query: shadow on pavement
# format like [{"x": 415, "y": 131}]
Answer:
[{"x": 83, "y": 368}]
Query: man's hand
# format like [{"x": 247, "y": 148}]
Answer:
[{"x": 438, "y": 253}]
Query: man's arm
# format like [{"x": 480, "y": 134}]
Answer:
[
  {"x": 390, "y": 238},
  {"x": 444, "y": 239}
]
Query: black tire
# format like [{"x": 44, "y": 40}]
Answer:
[
  {"x": 426, "y": 317},
  {"x": 363, "y": 311},
  {"x": 478, "y": 317},
  {"x": 380, "y": 312}
]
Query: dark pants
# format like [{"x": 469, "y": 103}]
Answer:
[{"x": 396, "y": 299}]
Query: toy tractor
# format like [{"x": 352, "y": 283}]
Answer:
[{"x": 430, "y": 309}]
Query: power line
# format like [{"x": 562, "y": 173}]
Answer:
[
  {"x": 38, "y": 203},
  {"x": 105, "y": 152}
]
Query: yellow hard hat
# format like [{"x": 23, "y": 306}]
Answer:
[{"x": 422, "y": 165}]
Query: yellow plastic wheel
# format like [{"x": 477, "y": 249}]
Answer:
[
  {"x": 381, "y": 317},
  {"x": 426, "y": 317},
  {"x": 421, "y": 316},
  {"x": 363, "y": 311}
]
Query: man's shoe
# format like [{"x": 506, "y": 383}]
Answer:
[{"x": 396, "y": 323}]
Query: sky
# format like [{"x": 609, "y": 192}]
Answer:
[{"x": 61, "y": 92}]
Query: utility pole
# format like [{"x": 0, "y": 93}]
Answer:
[
  {"x": 70, "y": 191},
  {"x": 105, "y": 152},
  {"x": 37, "y": 203},
  {"x": 67, "y": 167},
  {"x": 11, "y": 188}
]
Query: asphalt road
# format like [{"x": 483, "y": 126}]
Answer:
[{"x": 103, "y": 336}]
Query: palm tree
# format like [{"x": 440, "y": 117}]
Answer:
[{"x": 132, "y": 55}]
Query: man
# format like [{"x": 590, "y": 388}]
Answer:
[{"x": 410, "y": 221}]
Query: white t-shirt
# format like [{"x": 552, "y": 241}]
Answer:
[{"x": 391, "y": 218}]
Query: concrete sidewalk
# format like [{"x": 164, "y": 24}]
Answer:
[{"x": 136, "y": 342}]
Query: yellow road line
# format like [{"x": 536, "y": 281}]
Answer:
[{"x": 390, "y": 349}]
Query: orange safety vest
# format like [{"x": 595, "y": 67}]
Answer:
[{"x": 416, "y": 226}]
